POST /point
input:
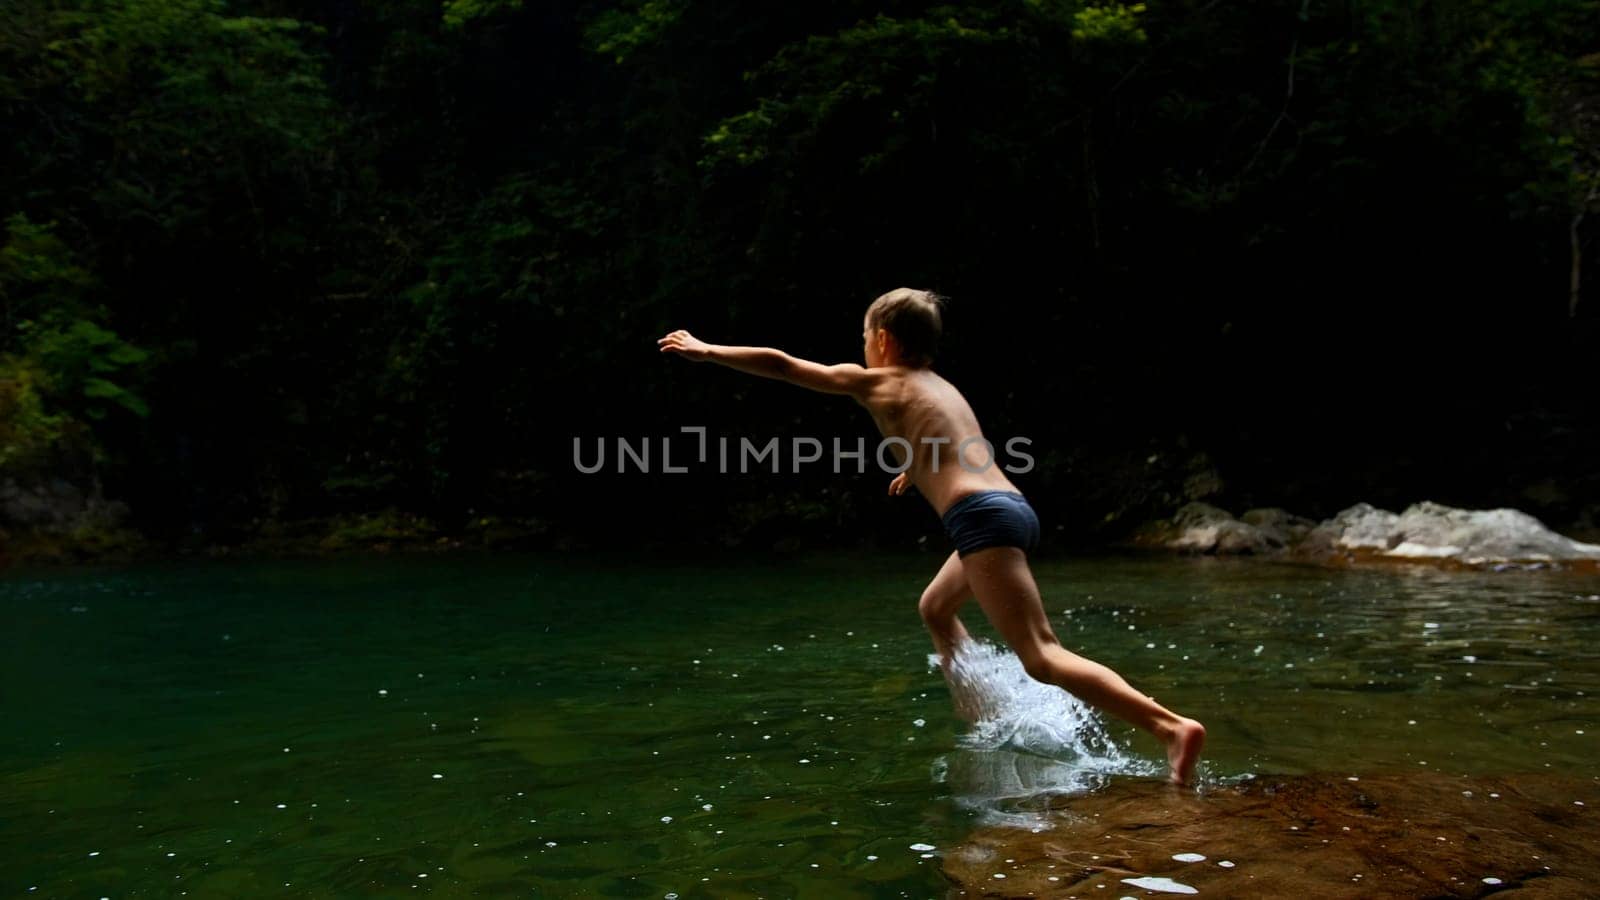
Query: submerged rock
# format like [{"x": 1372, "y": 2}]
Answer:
[{"x": 1309, "y": 836}]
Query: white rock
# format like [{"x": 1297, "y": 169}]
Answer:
[{"x": 1429, "y": 530}]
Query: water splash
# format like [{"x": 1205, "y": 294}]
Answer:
[{"x": 1029, "y": 741}]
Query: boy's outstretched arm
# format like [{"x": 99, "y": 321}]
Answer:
[{"x": 845, "y": 378}]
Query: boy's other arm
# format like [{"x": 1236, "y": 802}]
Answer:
[{"x": 768, "y": 362}]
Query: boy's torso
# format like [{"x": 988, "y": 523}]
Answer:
[{"x": 932, "y": 416}]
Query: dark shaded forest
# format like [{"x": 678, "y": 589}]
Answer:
[{"x": 362, "y": 271}]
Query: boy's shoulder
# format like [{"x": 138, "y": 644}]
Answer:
[{"x": 894, "y": 385}]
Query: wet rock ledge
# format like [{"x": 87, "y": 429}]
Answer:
[
  {"x": 1307, "y": 836},
  {"x": 1426, "y": 532}
]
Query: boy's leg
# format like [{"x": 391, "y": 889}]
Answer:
[
  {"x": 1005, "y": 589},
  {"x": 943, "y": 596},
  {"x": 941, "y": 599}
]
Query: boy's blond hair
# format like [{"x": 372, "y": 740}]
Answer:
[{"x": 914, "y": 318}]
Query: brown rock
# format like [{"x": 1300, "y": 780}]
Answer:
[
  {"x": 1308, "y": 836},
  {"x": 1279, "y": 525},
  {"x": 1203, "y": 528}
]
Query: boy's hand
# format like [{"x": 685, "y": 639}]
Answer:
[
  {"x": 899, "y": 484},
  {"x": 686, "y": 345}
]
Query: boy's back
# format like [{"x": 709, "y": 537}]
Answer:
[{"x": 921, "y": 407}]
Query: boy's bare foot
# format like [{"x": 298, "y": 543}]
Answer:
[{"x": 1183, "y": 749}]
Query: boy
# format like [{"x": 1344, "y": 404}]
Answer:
[{"x": 991, "y": 524}]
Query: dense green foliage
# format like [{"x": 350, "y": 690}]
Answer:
[{"x": 268, "y": 260}]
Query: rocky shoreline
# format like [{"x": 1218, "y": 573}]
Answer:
[{"x": 56, "y": 522}]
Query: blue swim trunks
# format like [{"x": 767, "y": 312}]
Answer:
[{"x": 991, "y": 519}]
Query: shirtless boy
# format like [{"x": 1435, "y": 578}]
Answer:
[{"x": 992, "y": 525}]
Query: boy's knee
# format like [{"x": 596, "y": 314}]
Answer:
[
  {"x": 1036, "y": 661},
  {"x": 1038, "y": 667},
  {"x": 939, "y": 608}
]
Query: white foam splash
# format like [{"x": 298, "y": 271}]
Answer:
[
  {"x": 1028, "y": 740},
  {"x": 1010, "y": 709}
]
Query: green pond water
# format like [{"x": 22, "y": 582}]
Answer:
[{"x": 630, "y": 727}]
